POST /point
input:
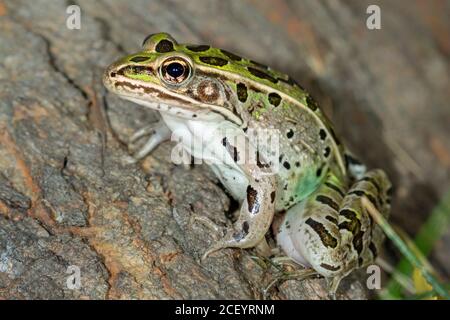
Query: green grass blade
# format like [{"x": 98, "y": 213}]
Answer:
[
  {"x": 428, "y": 235},
  {"x": 405, "y": 250}
]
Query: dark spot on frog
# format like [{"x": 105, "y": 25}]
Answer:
[
  {"x": 287, "y": 224},
  {"x": 290, "y": 134},
  {"x": 286, "y": 165},
  {"x": 164, "y": 46},
  {"x": 252, "y": 200},
  {"x": 319, "y": 172},
  {"x": 262, "y": 75},
  {"x": 291, "y": 199},
  {"x": 329, "y": 267},
  {"x": 327, "y": 152},
  {"x": 242, "y": 92},
  {"x": 335, "y": 188},
  {"x": 230, "y": 55},
  {"x": 214, "y": 61},
  {"x": 272, "y": 196},
  {"x": 199, "y": 48},
  {"x": 285, "y": 186},
  {"x": 331, "y": 219},
  {"x": 322, "y": 134},
  {"x": 274, "y": 99},
  {"x": 327, "y": 201},
  {"x": 232, "y": 151},
  {"x": 194, "y": 116},
  {"x": 139, "y": 59},
  {"x": 280, "y": 158},
  {"x": 354, "y": 226},
  {"x": 327, "y": 239},
  {"x": 245, "y": 227},
  {"x": 297, "y": 164},
  {"x": 312, "y": 104},
  {"x": 260, "y": 65},
  {"x": 260, "y": 163}
]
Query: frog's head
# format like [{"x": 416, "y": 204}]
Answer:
[{"x": 173, "y": 78}]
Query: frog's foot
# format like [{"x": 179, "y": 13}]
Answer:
[
  {"x": 207, "y": 222},
  {"x": 298, "y": 275},
  {"x": 158, "y": 132},
  {"x": 251, "y": 232},
  {"x": 333, "y": 285}
]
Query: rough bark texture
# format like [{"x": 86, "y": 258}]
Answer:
[{"x": 65, "y": 201}]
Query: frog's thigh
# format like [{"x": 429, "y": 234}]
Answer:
[
  {"x": 356, "y": 226},
  {"x": 331, "y": 230},
  {"x": 257, "y": 209},
  {"x": 311, "y": 230}
]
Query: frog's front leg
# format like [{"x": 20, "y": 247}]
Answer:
[
  {"x": 257, "y": 208},
  {"x": 158, "y": 132}
]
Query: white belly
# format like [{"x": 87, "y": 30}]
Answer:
[{"x": 203, "y": 140}]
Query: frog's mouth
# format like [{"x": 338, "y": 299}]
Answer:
[{"x": 158, "y": 98}]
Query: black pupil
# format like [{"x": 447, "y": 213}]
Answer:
[{"x": 175, "y": 69}]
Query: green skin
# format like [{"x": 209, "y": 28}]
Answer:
[{"x": 312, "y": 179}]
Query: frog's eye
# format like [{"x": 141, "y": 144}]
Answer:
[{"x": 175, "y": 71}]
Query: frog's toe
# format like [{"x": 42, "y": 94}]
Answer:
[
  {"x": 207, "y": 222},
  {"x": 128, "y": 160},
  {"x": 333, "y": 285},
  {"x": 142, "y": 132},
  {"x": 158, "y": 133},
  {"x": 212, "y": 249},
  {"x": 298, "y": 275}
]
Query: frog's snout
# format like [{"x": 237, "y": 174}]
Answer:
[{"x": 109, "y": 75}]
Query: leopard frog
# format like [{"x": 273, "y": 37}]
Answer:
[{"x": 215, "y": 101}]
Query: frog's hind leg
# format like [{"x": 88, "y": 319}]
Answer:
[
  {"x": 310, "y": 231},
  {"x": 298, "y": 275},
  {"x": 356, "y": 225},
  {"x": 331, "y": 231}
]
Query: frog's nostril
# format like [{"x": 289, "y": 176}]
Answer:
[{"x": 113, "y": 74}]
